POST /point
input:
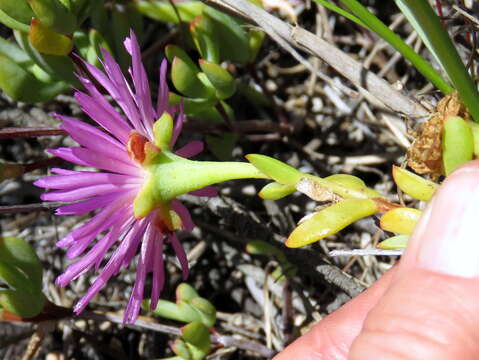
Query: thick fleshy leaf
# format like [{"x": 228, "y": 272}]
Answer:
[
  {"x": 457, "y": 143},
  {"x": 206, "y": 310},
  {"x": 10, "y": 22},
  {"x": 181, "y": 311},
  {"x": 275, "y": 169},
  {"x": 21, "y": 303},
  {"x": 185, "y": 292},
  {"x": 330, "y": 220},
  {"x": 354, "y": 183},
  {"x": 48, "y": 41},
  {"x": 393, "y": 243},
  {"x": 21, "y": 85},
  {"x": 414, "y": 185},
  {"x": 181, "y": 349},
  {"x": 197, "y": 334},
  {"x": 400, "y": 220},
  {"x": 18, "y": 10},
  {"x": 55, "y": 15},
  {"x": 163, "y": 11},
  {"x": 223, "y": 82},
  {"x": 275, "y": 191},
  {"x": 205, "y": 38},
  {"x": 233, "y": 39},
  {"x": 186, "y": 80}
]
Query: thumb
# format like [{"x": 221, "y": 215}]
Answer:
[{"x": 431, "y": 308}]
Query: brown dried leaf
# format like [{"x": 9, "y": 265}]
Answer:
[
  {"x": 425, "y": 154},
  {"x": 316, "y": 191}
]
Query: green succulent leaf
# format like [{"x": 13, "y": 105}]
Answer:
[
  {"x": 414, "y": 185},
  {"x": 55, "y": 15},
  {"x": 163, "y": 11},
  {"x": 457, "y": 143},
  {"x": 198, "y": 335},
  {"x": 22, "y": 303},
  {"x": 221, "y": 79},
  {"x": 205, "y": 37},
  {"x": 275, "y": 169},
  {"x": 233, "y": 40},
  {"x": 48, "y": 41},
  {"x": 330, "y": 220},
  {"x": 400, "y": 220},
  {"x": 395, "y": 242},
  {"x": 19, "y": 10},
  {"x": 186, "y": 79},
  {"x": 185, "y": 292},
  {"x": 275, "y": 191}
]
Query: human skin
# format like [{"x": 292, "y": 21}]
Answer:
[{"x": 426, "y": 307}]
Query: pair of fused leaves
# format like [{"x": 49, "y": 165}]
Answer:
[
  {"x": 21, "y": 275},
  {"x": 199, "y": 313},
  {"x": 189, "y": 307},
  {"x": 350, "y": 200}
]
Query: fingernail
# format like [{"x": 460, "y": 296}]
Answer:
[{"x": 446, "y": 239}]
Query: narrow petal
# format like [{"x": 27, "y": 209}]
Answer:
[
  {"x": 87, "y": 192},
  {"x": 158, "y": 270},
  {"x": 100, "y": 111},
  {"x": 136, "y": 297},
  {"x": 180, "y": 119},
  {"x": 94, "y": 139},
  {"x": 124, "y": 96},
  {"x": 191, "y": 149},
  {"x": 87, "y": 178},
  {"x": 180, "y": 254},
  {"x": 163, "y": 91},
  {"x": 140, "y": 82},
  {"x": 184, "y": 214},
  {"x": 86, "y": 206},
  {"x": 85, "y": 157},
  {"x": 108, "y": 271}
]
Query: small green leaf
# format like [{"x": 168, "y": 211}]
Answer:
[
  {"x": 414, "y": 185},
  {"x": 233, "y": 40},
  {"x": 55, "y": 15},
  {"x": 275, "y": 191},
  {"x": 400, "y": 220},
  {"x": 22, "y": 303},
  {"x": 221, "y": 79},
  {"x": 12, "y": 23},
  {"x": 206, "y": 310},
  {"x": 457, "y": 143},
  {"x": 18, "y": 10},
  {"x": 185, "y": 78},
  {"x": 205, "y": 38},
  {"x": 163, "y": 11},
  {"x": 185, "y": 292},
  {"x": 198, "y": 335},
  {"x": 259, "y": 247},
  {"x": 48, "y": 41},
  {"x": 181, "y": 349},
  {"x": 275, "y": 169},
  {"x": 353, "y": 183},
  {"x": 330, "y": 220},
  {"x": 193, "y": 107},
  {"x": 181, "y": 311},
  {"x": 393, "y": 243}
]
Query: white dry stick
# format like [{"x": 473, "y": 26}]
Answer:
[{"x": 366, "y": 252}]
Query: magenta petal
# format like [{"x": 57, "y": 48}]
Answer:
[
  {"x": 158, "y": 271},
  {"x": 180, "y": 119},
  {"x": 87, "y": 192},
  {"x": 191, "y": 149},
  {"x": 207, "y": 191},
  {"x": 184, "y": 214},
  {"x": 180, "y": 254},
  {"x": 82, "y": 179},
  {"x": 140, "y": 82},
  {"x": 163, "y": 91},
  {"x": 94, "y": 139},
  {"x": 136, "y": 297},
  {"x": 104, "y": 114},
  {"x": 125, "y": 98},
  {"x": 86, "y": 206},
  {"x": 144, "y": 231},
  {"x": 85, "y": 157}
]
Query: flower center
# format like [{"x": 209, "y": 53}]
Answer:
[{"x": 140, "y": 149}]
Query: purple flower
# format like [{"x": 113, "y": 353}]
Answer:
[{"x": 119, "y": 149}]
